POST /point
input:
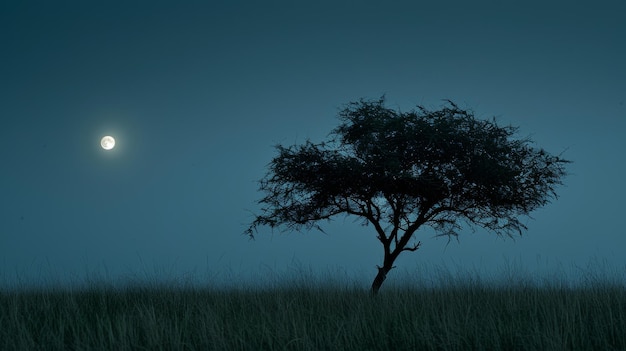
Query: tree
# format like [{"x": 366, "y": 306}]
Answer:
[{"x": 400, "y": 171}]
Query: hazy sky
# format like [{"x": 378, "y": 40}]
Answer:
[{"x": 196, "y": 94}]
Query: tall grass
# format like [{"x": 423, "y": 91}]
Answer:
[{"x": 305, "y": 314}]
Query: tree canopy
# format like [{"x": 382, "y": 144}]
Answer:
[{"x": 400, "y": 171}]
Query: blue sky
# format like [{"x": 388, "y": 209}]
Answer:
[{"x": 197, "y": 93}]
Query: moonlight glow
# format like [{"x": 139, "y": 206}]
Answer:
[{"x": 107, "y": 142}]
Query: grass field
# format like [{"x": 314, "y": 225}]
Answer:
[{"x": 297, "y": 315}]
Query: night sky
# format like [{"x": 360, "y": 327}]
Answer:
[{"x": 197, "y": 94}]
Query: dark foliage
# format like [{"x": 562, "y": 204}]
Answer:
[{"x": 402, "y": 170}]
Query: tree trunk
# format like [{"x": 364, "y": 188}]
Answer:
[{"x": 380, "y": 278}]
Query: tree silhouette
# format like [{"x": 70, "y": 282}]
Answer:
[{"x": 400, "y": 171}]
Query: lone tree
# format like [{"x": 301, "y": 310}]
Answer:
[{"x": 400, "y": 171}]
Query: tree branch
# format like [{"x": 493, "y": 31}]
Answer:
[{"x": 414, "y": 248}]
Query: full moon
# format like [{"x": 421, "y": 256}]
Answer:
[{"x": 107, "y": 142}]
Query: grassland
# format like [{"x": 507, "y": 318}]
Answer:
[{"x": 467, "y": 315}]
